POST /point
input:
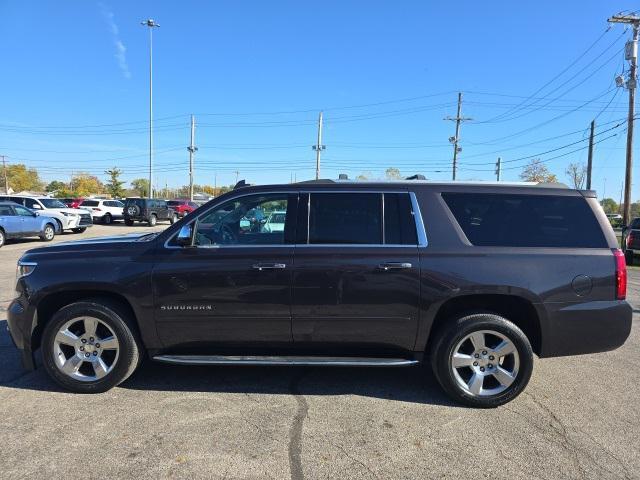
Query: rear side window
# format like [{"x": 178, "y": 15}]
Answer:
[
  {"x": 345, "y": 218},
  {"x": 525, "y": 220},
  {"x": 399, "y": 224},
  {"x": 90, "y": 203}
]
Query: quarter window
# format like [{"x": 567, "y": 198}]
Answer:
[
  {"x": 245, "y": 221},
  {"x": 526, "y": 220}
]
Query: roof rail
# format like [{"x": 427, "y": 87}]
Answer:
[
  {"x": 319, "y": 180},
  {"x": 552, "y": 185},
  {"x": 417, "y": 176}
]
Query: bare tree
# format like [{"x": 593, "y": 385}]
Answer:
[
  {"x": 393, "y": 173},
  {"x": 577, "y": 173},
  {"x": 536, "y": 171}
]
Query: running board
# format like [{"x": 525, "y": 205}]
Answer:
[{"x": 274, "y": 360}]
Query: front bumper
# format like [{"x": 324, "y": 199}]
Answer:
[
  {"x": 20, "y": 322},
  {"x": 589, "y": 327}
]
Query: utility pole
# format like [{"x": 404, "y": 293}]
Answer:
[
  {"x": 215, "y": 184},
  {"x": 151, "y": 24},
  {"x": 4, "y": 169},
  {"x": 237, "y": 175},
  {"x": 590, "y": 160},
  {"x": 631, "y": 54},
  {"x": 192, "y": 150},
  {"x": 454, "y": 140},
  {"x": 318, "y": 147},
  {"x": 498, "y": 169}
]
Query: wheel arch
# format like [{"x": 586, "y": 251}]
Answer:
[
  {"x": 53, "y": 302},
  {"x": 519, "y": 310}
]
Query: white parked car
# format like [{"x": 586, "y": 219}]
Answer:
[
  {"x": 72, "y": 219},
  {"x": 104, "y": 211}
]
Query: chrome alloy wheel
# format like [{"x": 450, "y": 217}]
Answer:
[
  {"x": 485, "y": 363},
  {"x": 49, "y": 232},
  {"x": 85, "y": 349}
]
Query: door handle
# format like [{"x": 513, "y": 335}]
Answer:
[
  {"x": 268, "y": 266},
  {"x": 394, "y": 266}
]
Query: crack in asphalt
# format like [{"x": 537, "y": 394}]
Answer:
[{"x": 295, "y": 432}]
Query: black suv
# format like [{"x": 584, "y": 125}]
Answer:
[
  {"x": 147, "y": 210},
  {"x": 470, "y": 278}
]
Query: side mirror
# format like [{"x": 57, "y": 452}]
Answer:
[
  {"x": 184, "y": 236},
  {"x": 36, "y": 206}
]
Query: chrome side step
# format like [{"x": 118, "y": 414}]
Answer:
[{"x": 276, "y": 360}]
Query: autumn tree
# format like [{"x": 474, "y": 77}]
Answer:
[
  {"x": 115, "y": 186},
  {"x": 393, "y": 173},
  {"x": 141, "y": 186},
  {"x": 21, "y": 178},
  {"x": 537, "y": 171},
  {"x": 577, "y": 173},
  {"x": 84, "y": 185}
]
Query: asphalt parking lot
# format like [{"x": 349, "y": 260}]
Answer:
[{"x": 579, "y": 418}]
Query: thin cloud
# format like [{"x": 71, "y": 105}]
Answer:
[{"x": 121, "y": 50}]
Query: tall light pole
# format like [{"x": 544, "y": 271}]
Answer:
[{"x": 151, "y": 24}]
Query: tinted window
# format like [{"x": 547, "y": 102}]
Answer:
[
  {"x": 635, "y": 223},
  {"x": 5, "y": 211},
  {"x": 237, "y": 222},
  {"x": 345, "y": 218},
  {"x": 399, "y": 224},
  {"x": 135, "y": 201},
  {"x": 526, "y": 220},
  {"x": 90, "y": 203},
  {"x": 52, "y": 203},
  {"x": 31, "y": 203}
]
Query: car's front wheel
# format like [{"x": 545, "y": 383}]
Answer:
[
  {"x": 482, "y": 360},
  {"x": 89, "y": 346},
  {"x": 48, "y": 233},
  {"x": 153, "y": 220},
  {"x": 2, "y": 237},
  {"x": 173, "y": 219}
]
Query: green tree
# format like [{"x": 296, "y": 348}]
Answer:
[
  {"x": 21, "y": 178},
  {"x": 393, "y": 173},
  {"x": 609, "y": 205},
  {"x": 141, "y": 186},
  {"x": 536, "y": 171},
  {"x": 115, "y": 186},
  {"x": 55, "y": 186}
]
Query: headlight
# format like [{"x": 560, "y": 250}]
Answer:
[
  {"x": 67, "y": 214},
  {"x": 25, "y": 268}
]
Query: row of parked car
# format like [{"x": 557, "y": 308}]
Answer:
[{"x": 28, "y": 216}]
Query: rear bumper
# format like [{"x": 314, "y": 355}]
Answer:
[{"x": 590, "y": 327}]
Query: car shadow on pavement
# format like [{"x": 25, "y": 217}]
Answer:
[{"x": 405, "y": 384}]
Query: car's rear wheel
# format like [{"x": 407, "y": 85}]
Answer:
[
  {"x": 107, "y": 219},
  {"x": 482, "y": 360},
  {"x": 153, "y": 220},
  {"x": 89, "y": 346},
  {"x": 79, "y": 230},
  {"x": 48, "y": 233},
  {"x": 2, "y": 238}
]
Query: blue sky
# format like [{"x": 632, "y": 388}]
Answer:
[{"x": 255, "y": 74}]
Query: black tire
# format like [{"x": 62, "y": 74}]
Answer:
[
  {"x": 628, "y": 257},
  {"x": 59, "y": 226},
  {"x": 3, "y": 238},
  {"x": 130, "y": 349},
  {"x": 107, "y": 219},
  {"x": 152, "y": 220},
  {"x": 453, "y": 333},
  {"x": 48, "y": 233},
  {"x": 173, "y": 219},
  {"x": 79, "y": 230},
  {"x": 128, "y": 223}
]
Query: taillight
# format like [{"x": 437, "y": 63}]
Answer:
[
  {"x": 621, "y": 274},
  {"x": 629, "y": 239}
]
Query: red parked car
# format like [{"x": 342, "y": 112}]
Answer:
[
  {"x": 182, "y": 207},
  {"x": 72, "y": 202}
]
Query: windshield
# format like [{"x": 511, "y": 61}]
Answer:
[{"x": 52, "y": 203}]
